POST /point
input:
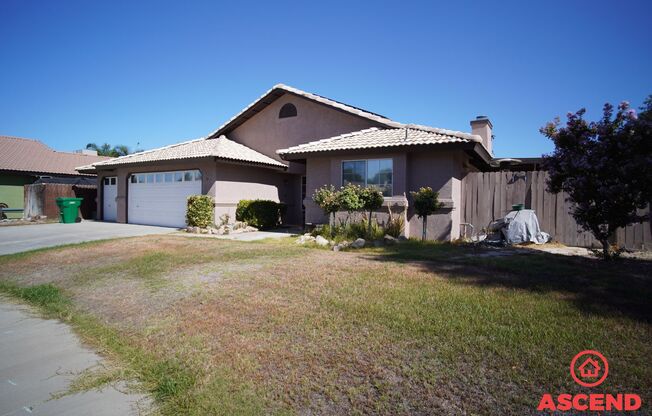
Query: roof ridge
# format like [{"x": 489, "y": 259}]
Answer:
[
  {"x": 331, "y": 139},
  {"x": 149, "y": 151},
  {"x": 437, "y": 130}
]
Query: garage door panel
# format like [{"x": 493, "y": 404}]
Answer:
[{"x": 162, "y": 203}]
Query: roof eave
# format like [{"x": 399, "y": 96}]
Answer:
[
  {"x": 379, "y": 149},
  {"x": 113, "y": 166}
]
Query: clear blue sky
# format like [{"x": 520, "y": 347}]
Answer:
[{"x": 159, "y": 72}]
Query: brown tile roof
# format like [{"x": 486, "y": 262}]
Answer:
[
  {"x": 378, "y": 138},
  {"x": 221, "y": 148},
  {"x": 27, "y": 155}
]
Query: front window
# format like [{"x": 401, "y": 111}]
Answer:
[{"x": 377, "y": 173}]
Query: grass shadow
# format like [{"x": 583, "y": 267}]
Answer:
[{"x": 594, "y": 286}]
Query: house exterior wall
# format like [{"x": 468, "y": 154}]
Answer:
[
  {"x": 227, "y": 183},
  {"x": 441, "y": 170},
  {"x": 266, "y": 133},
  {"x": 236, "y": 182}
]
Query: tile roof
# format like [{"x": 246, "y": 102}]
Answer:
[
  {"x": 278, "y": 90},
  {"x": 221, "y": 148},
  {"x": 409, "y": 135},
  {"x": 28, "y": 155}
]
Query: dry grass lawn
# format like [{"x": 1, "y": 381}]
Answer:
[{"x": 271, "y": 327}]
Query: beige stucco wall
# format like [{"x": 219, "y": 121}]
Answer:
[
  {"x": 236, "y": 182},
  {"x": 227, "y": 183},
  {"x": 266, "y": 133},
  {"x": 441, "y": 170}
]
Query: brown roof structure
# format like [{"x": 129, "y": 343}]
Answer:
[
  {"x": 377, "y": 138},
  {"x": 220, "y": 148},
  {"x": 28, "y": 155}
]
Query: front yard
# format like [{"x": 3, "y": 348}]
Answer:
[{"x": 224, "y": 327}]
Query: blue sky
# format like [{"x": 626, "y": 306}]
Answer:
[{"x": 159, "y": 72}]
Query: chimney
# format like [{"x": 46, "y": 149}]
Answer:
[{"x": 482, "y": 127}]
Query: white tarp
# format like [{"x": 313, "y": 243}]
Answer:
[{"x": 522, "y": 227}]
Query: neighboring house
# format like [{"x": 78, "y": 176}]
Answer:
[
  {"x": 285, "y": 145},
  {"x": 25, "y": 161}
]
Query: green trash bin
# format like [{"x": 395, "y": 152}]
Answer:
[{"x": 68, "y": 209}]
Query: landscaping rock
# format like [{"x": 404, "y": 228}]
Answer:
[
  {"x": 305, "y": 239},
  {"x": 321, "y": 241},
  {"x": 402, "y": 238},
  {"x": 359, "y": 243},
  {"x": 389, "y": 240},
  {"x": 250, "y": 229},
  {"x": 239, "y": 225},
  {"x": 341, "y": 246}
]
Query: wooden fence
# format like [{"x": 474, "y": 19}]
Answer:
[
  {"x": 487, "y": 196},
  {"x": 40, "y": 199}
]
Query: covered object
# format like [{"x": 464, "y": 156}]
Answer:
[{"x": 523, "y": 227}]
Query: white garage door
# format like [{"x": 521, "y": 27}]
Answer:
[{"x": 159, "y": 198}]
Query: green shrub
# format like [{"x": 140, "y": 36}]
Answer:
[
  {"x": 350, "y": 231},
  {"x": 328, "y": 199},
  {"x": 395, "y": 223},
  {"x": 200, "y": 211},
  {"x": 260, "y": 213}
]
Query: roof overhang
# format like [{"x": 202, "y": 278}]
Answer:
[
  {"x": 476, "y": 150},
  {"x": 113, "y": 167}
]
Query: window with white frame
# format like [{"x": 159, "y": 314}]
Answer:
[{"x": 376, "y": 173}]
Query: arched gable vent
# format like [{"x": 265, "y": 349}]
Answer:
[{"x": 288, "y": 110}]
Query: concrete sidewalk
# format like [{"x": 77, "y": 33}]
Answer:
[
  {"x": 15, "y": 239},
  {"x": 39, "y": 358}
]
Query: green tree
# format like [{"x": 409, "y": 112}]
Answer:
[
  {"x": 328, "y": 199},
  {"x": 372, "y": 199},
  {"x": 426, "y": 202},
  {"x": 603, "y": 167},
  {"x": 106, "y": 149},
  {"x": 349, "y": 197}
]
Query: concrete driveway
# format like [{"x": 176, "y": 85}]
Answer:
[{"x": 15, "y": 239}]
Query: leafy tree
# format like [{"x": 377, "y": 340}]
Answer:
[
  {"x": 372, "y": 199},
  {"x": 106, "y": 149},
  {"x": 605, "y": 167},
  {"x": 426, "y": 202},
  {"x": 102, "y": 150},
  {"x": 349, "y": 197},
  {"x": 328, "y": 199}
]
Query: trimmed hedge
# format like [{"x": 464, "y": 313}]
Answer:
[
  {"x": 200, "y": 211},
  {"x": 260, "y": 213}
]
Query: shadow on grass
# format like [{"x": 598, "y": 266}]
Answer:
[{"x": 594, "y": 286}]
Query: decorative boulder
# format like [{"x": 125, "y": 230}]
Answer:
[
  {"x": 389, "y": 240},
  {"x": 359, "y": 243},
  {"x": 321, "y": 241},
  {"x": 305, "y": 239}
]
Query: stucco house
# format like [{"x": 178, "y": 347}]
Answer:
[{"x": 282, "y": 147}]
